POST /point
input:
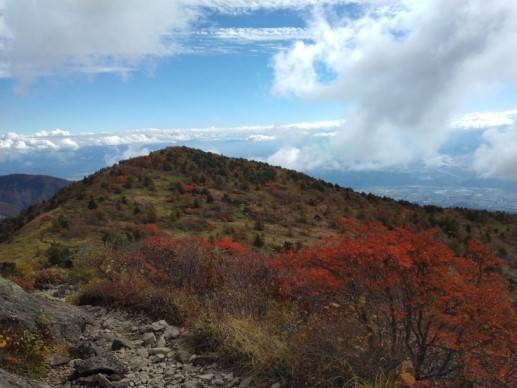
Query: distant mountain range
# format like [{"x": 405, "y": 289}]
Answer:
[{"x": 18, "y": 191}]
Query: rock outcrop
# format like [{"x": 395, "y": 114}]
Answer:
[{"x": 21, "y": 311}]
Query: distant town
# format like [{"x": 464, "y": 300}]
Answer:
[{"x": 468, "y": 197}]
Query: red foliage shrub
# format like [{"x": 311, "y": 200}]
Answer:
[
  {"x": 159, "y": 264},
  {"x": 152, "y": 230},
  {"x": 231, "y": 246},
  {"x": 452, "y": 316},
  {"x": 188, "y": 188}
]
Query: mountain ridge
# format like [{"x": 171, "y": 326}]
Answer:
[
  {"x": 18, "y": 191},
  {"x": 187, "y": 191}
]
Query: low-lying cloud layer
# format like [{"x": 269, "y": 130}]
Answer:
[
  {"x": 14, "y": 145},
  {"x": 301, "y": 146}
]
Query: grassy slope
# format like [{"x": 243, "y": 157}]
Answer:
[{"x": 249, "y": 198}]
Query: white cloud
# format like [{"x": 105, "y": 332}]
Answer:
[
  {"x": 498, "y": 156},
  {"x": 63, "y": 140},
  {"x": 56, "y": 37},
  {"x": 48, "y": 37},
  {"x": 261, "y": 138},
  {"x": 402, "y": 69},
  {"x": 484, "y": 120},
  {"x": 247, "y": 35},
  {"x": 237, "y": 6},
  {"x": 54, "y": 132},
  {"x": 288, "y": 157},
  {"x": 69, "y": 144},
  {"x": 131, "y": 151}
]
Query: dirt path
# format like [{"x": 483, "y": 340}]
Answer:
[{"x": 118, "y": 349}]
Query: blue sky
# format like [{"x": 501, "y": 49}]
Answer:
[
  {"x": 184, "y": 91},
  {"x": 345, "y": 86},
  {"x": 217, "y": 82}
]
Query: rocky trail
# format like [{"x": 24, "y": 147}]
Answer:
[
  {"x": 122, "y": 350},
  {"x": 119, "y": 349}
]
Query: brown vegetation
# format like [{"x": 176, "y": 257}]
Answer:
[{"x": 356, "y": 306}]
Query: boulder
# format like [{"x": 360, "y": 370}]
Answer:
[
  {"x": 163, "y": 351},
  {"x": 85, "y": 350},
  {"x": 55, "y": 360},
  {"x": 149, "y": 339},
  {"x": 171, "y": 332},
  {"x": 105, "y": 364},
  {"x": 207, "y": 376},
  {"x": 21, "y": 311},
  {"x": 159, "y": 325},
  {"x": 120, "y": 343}
]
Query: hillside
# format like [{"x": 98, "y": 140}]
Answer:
[
  {"x": 185, "y": 191},
  {"x": 18, "y": 191},
  {"x": 276, "y": 275}
]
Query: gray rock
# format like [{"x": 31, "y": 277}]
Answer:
[
  {"x": 121, "y": 384},
  {"x": 98, "y": 380},
  {"x": 21, "y": 311},
  {"x": 58, "y": 360},
  {"x": 8, "y": 380},
  {"x": 191, "y": 384},
  {"x": 149, "y": 339},
  {"x": 246, "y": 382},
  {"x": 106, "y": 335},
  {"x": 120, "y": 343},
  {"x": 171, "y": 332},
  {"x": 206, "y": 376},
  {"x": 105, "y": 364},
  {"x": 276, "y": 385},
  {"x": 162, "y": 351},
  {"x": 85, "y": 350},
  {"x": 161, "y": 343},
  {"x": 107, "y": 323},
  {"x": 159, "y": 325}
]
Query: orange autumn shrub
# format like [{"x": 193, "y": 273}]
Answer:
[
  {"x": 451, "y": 316},
  {"x": 356, "y": 305}
]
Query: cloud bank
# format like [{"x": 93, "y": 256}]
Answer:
[
  {"x": 14, "y": 145},
  {"x": 497, "y": 157},
  {"x": 403, "y": 68}
]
